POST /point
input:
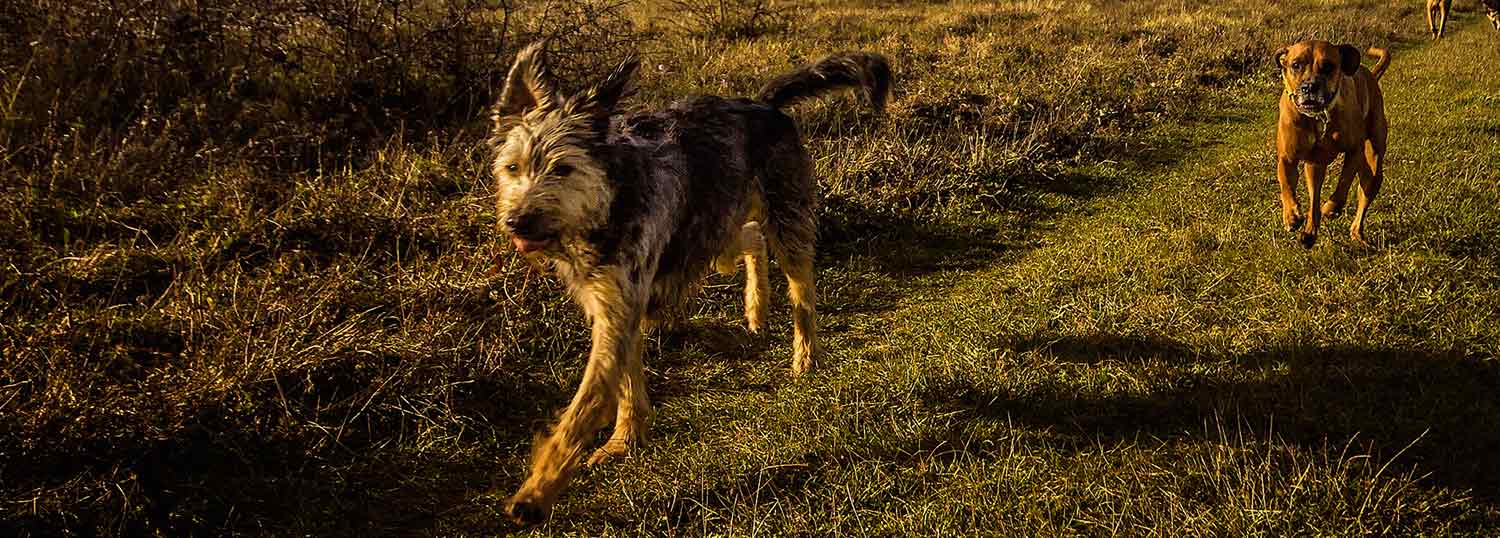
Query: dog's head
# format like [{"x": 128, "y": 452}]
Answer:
[
  {"x": 550, "y": 184},
  {"x": 1313, "y": 71}
]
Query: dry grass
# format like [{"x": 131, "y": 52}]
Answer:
[{"x": 1055, "y": 297}]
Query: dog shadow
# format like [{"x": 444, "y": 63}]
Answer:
[
  {"x": 1312, "y": 394},
  {"x": 307, "y": 464},
  {"x": 901, "y": 245}
]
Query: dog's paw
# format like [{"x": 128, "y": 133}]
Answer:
[
  {"x": 1359, "y": 239},
  {"x": 1332, "y": 209},
  {"x": 1307, "y": 239},
  {"x": 612, "y": 450},
  {"x": 1291, "y": 222},
  {"x": 804, "y": 359}
]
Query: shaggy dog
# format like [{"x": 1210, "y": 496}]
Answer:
[{"x": 631, "y": 211}]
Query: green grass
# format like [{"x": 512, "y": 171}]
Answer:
[
  {"x": 1054, "y": 291},
  {"x": 1162, "y": 360}
]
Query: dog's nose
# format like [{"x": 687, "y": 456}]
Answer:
[
  {"x": 526, "y": 225},
  {"x": 1309, "y": 93}
]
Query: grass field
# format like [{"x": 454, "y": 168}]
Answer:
[{"x": 1055, "y": 297}]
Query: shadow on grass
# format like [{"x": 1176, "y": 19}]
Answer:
[
  {"x": 903, "y": 245},
  {"x": 336, "y": 457},
  {"x": 1309, "y": 395},
  {"x": 912, "y": 244}
]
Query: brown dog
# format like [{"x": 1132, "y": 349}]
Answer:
[
  {"x": 1437, "y": 16},
  {"x": 1331, "y": 106},
  {"x": 1492, "y": 11}
]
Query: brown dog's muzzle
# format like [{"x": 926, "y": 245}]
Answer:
[{"x": 1313, "y": 96}]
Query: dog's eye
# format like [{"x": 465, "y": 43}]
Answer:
[
  {"x": 512, "y": 167},
  {"x": 562, "y": 170},
  {"x": 1297, "y": 66},
  {"x": 1326, "y": 69}
]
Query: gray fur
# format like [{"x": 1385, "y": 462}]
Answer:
[
  {"x": 633, "y": 210},
  {"x": 867, "y": 70}
]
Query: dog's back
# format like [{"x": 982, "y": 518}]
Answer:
[
  {"x": 1370, "y": 99},
  {"x": 707, "y": 164}
]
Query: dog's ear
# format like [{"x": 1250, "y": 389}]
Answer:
[
  {"x": 1280, "y": 56},
  {"x": 529, "y": 85},
  {"x": 602, "y": 98},
  {"x": 1349, "y": 59}
]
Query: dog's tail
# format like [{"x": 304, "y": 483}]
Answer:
[
  {"x": 1382, "y": 60},
  {"x": 845, "y": 69}
]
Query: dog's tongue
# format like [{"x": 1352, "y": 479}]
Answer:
[{"x": 526, "y": 247}]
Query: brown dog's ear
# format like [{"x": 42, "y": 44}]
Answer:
[
  {"x": 1349, "y": 59},
  {"x": 1280, "y": 56},
  {"x": 529, "y": 85}
]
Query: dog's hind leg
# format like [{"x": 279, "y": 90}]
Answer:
[
  {"x": 1371, "y": 176},
  {"x": 757, "y": 277},
  {"x": 791, "y": 233},
  {"x": 792, "y": 242},
  {"x": 1353, "y": 162},
  {"x": 799, "y": 277},
  {"x": 1447, "y": 6},
  {"x": 1315, "y": 173},
  {"x": 750, "y": 245}
]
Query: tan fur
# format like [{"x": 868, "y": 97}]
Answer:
[
  {"x": 1437, "y": 17},
  {"x": 1355, "y": 128},
  {"x": 616, "y": 354},
  {"x": 751, "y": 247},
  {"x": 805, "y": 352},
  {"x": 577, "y": 200}
]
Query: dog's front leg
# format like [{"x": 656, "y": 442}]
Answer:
[
  {"x": 1447, "y": 6},
  {"x": 1432, "y": 18},
  {"x": 632, "y": 407},
  {"x": 615, "y": 307},
  {"x": 1286, "y": 170}
]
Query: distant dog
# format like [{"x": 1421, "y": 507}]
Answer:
[
  {"x": 1437, "y": 16},
  {"x": 1492, "y": 11},
  {"x": 1331, "y": 106},
  {"x": 632, "y": 211}
]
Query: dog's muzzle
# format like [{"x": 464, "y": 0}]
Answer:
[
  {"x": 1313, "y": 99},
  {"x": 529, "y": 232},
  {"x": 1310, "y": 99}
]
